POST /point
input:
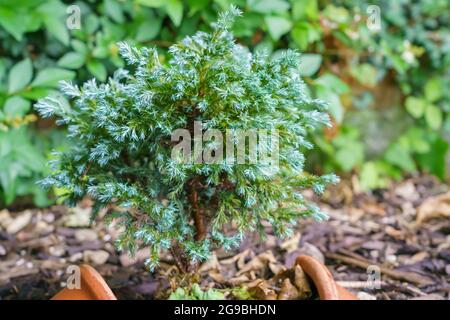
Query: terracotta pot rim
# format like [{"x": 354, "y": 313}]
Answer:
[
  {"x": 323, "y": 280},
  {"x": 93, "y": 287}
]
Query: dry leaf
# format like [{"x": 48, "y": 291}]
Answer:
[
  {"x": 374, "y": 208},
  {"x": 419, "y": 256},
  {"x": 407, "y": 190},
  {"x": 276, "y": 268},
  {"x": 263, "y": 291},
  {"x": 237, "y": 258},
  {"x": 302, "y": 283},
  {"x": 288, "y": 291},
  {"x": 238, "y": 280},
  {"x": 217, "y": 276},
  {"x": 292, "y": 243},
  {"x": 211, "y": 264},
  {"x": 258, "y": 263},
  {"x": 435, "y": 207},
  {"x": 395, "y": 233}
]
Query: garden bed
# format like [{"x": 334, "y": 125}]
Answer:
[{"x": 403, "y": 231}]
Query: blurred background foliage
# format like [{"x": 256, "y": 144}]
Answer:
[{"x": 387, "y": 87}]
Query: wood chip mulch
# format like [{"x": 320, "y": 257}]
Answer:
[{"x": 401, "y": 234}]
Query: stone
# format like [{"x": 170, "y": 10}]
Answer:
[
  {"x": 76, "y": 257},
  {"x": 5, "y": 218},
  {"x": 56, "y": 251},
  {"x": 78, "y": 217},
  {"x": 96, "y": 257},
  {"x": 85, "y": 235},
  {"x": 127, "y": 261},
  {"x": 365, "y": 296},
  {"x": 312, "y": 251},
  {"x": 20, "y": 222}
]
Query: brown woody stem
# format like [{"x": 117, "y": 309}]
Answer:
[{"x": 197, "y": 211}]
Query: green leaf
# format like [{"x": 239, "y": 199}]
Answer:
[
  {"x": 433, "y": 90},
  {"x": 114, "y": 10},
  {"x": 20, "y": 75},
  {"x": 433, "y": 116},
  {"x": 213, "y": 294},
  {"x": 179, "y": 294},
  {"x": 57, "y": 28},
  {"x": 349, "y": 157},
  {"x": 72, "y": 60},
  {"x": 174, "y": 9},
  {"x": 435, "y": 160},
  {"x": 365, "y": 73},
  {"x": 149, "y": 29},
  {"x": 97, "y": 69},
  {"x": 51, "y": 76},
  {"x": 16, "y": 107},
  {"x": 151, "y": 3},
  {"x": 278, "y": 26},
  {"x": 337, "y": 14},
  {"x": 79, "y": 46},
  {"x": 9, "y": 21},
  {"x": 196, "y": 6},
  {"x": 305, "y": 9},
  {"x": 417, "y": 140},
  {"x": 310, "y": 64},
  {"x": 35, "y": 93},
  {"x": 415, "y": 106},
  {"x": 268, "y": 6},
  {"x": 398, "y": 154},
  {"x": 371, "y": 177},
  {"x": 333, "y": 83}
]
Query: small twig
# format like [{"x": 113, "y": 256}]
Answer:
[
  {"x": 356, "y": 284},
  {"x": 404, "y": 276}
]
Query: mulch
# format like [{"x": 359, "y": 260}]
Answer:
[{"x": 400, "y": 233}]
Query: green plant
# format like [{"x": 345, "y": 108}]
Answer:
[
  {"x": 196, "y": 293},
  {"x": 122, "y": 150},
  {"x": 344, "y": 63}
]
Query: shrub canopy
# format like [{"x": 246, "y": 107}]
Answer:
[{"x": 121, "y": 152}]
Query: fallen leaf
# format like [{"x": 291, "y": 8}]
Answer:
[
  {"x": 302, "y": 283},
  {"x": 407, "y": 191},
  {"x": 287, "y": 291},
  {"x": 276, "y": 267},
  {"x": 258, "y": 263},
  {"x": 240, "y": 258},
  {"x": 395, "y": 233},
  {"x": 435, "y": 207},
  {"x": 239, "y": 280},
  {"x": 374, "y": 208},
  {"x": 263, "y": 291},
  {"x": 218, "y": 277},
  {"x": 292, "y": 243},
  {"x": 211, "y": 264}
]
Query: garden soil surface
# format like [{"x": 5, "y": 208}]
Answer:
[{"x": 387, "y": 244}]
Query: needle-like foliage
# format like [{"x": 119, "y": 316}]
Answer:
[{"x": 121, "y": 153}]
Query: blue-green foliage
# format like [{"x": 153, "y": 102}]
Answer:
[{"x": 121, "y": 149}]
